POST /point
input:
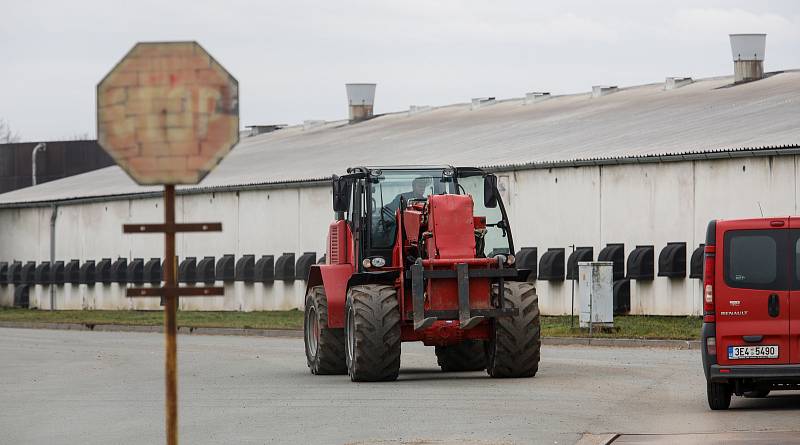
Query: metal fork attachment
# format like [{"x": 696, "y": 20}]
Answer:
[{"x": 468, "y": 318}]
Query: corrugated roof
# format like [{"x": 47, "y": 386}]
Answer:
[{"x": 635, "y": 124}]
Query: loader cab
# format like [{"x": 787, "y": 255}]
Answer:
[{"x": 367, "y": 199}]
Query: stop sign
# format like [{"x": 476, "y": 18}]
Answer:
[{"x": 168, "y": 113}]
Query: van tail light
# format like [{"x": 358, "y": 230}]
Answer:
[
  {"x": 711, "y": 345},
  {"x": 708, "y": 283}
]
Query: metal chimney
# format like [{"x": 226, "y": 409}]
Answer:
[
  {"x": 360, "y": 99},
  {"x": 748, "y": 56}
]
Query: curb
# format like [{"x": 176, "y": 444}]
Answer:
[
  {"x": 285, "y": 333},
  {"x": 597, "y": 439},
  {"x": 296, "y": 333},
  {"x": 621, "y": 342}
]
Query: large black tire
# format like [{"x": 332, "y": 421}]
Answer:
[
  {"x": 324, "y": 346},
  {"x": 469, "y": 355},
  {"x": 514, "y": 344},
  {"x": 372, "y": 332},
  {"x": 719, "y": 395}
]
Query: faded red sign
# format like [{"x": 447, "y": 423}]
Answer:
[{"x": 168, "y": 113}]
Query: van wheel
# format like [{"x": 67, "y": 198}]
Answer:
[
  {"x": 719, "y": 395},
  {"x": 469, "y": 355},
  {"x": 514, "y": 343},
  {"x": 324, "y": 345}
]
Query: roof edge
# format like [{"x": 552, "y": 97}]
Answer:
[{"x": 731, "y": 153}]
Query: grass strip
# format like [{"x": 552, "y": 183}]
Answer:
[{"x": 626, "y": 326}]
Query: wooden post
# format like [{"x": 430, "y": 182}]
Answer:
[
  {"x": 170, "y": 315},
  {"x": 169, "y": 293}
]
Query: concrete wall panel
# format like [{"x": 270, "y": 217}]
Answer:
[{"x": 635, "y": 204}]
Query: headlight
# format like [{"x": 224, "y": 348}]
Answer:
[
  {"x": 510, "y": 260},
  {"x": 378, "y": 261},
  {"x": 366, "y": 263}
]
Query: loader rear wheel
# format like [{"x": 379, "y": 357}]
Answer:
[
  {"x": 469, "y": 355},
  {"x": 372, "y": 331},
  {"x": 324, "y": 346},
  {"x": 515, "y": 343}
]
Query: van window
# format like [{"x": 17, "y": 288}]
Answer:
[
  {"x": 796, "y": 258},
  {"x": 752, "y": 259}
]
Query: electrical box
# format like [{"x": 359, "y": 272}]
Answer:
[{"x": 596, "y": 293}]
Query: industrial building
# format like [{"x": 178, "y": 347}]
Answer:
[
  {"x": 628, "y": 174},
  {"x": 25, "y": 164}
]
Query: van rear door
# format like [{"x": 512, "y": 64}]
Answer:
[
  {"x": 751, "y": 295},
  {"x": 794, "y": 309}
]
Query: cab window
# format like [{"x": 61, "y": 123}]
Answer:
[{"x": 495, "y": 240}]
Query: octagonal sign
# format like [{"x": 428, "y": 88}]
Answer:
[{"x": 168, "y": 113}]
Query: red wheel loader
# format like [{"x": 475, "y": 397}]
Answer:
[{"x": 420, "y": 254}]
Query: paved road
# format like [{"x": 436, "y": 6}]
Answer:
[{"x": 106, "y": 388}]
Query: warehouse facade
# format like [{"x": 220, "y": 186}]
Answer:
[{"x": 641, "y": 170}]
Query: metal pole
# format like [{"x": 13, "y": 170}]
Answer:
[
  {"x": 53, "y": 216},
  {"x": 591, "y": 300},
  {"x": 572, "y": 308},
  {"x": 170, "y": 323},
  {"x": 40, "y": 146}
]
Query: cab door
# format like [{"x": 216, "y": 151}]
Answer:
[{"x": 752, "y": 297}]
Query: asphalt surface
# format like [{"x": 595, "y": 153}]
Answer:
[{"x": 107, "y": 388}]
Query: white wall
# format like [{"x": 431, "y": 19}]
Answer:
[
  {"x": 261, "y": 222},
  {"x": 634, "y": 204},
  {"x": 644, "y": 204}
]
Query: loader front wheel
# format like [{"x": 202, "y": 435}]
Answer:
[
  {"x": 372, "y": 331},
  {"x": 514, "y": 345},
  {"x": 324, "y": 346},
  {"x": 469, "y": 355}
]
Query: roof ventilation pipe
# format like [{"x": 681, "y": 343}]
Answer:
[
  {"x": 255, "y": 130},
  {"x": 672, "y": 83},
  {"x": 748, "y": 56},
  {"x": 480, "y": 102},
  {"x": 360, "y": 99},
  {"x": 416, "y": 109},
  {"x": 603, "y": 90},
  {"x": 310, "y": 124},
  {"x": 531, "y": 98}
]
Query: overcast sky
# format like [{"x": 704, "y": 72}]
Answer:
[{"x": 292, "y": 58}]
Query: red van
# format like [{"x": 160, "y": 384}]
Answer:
[{"x": 751, "y": 308}]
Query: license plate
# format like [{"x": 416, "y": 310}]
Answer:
[{"x": 752, "y": 352}]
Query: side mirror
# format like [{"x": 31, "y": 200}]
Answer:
[
  {"x": 341, "y": 194},
  {"x": 490, "y": 191}
]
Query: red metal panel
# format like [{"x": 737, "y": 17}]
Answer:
[
  {"x": 412, "y": 221},
  {"x": 334, "y": 278},
  {"x": 469, "y": 261},
  {"x": 444, "y": 332},
  {"x": 453, "y": 226}
]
